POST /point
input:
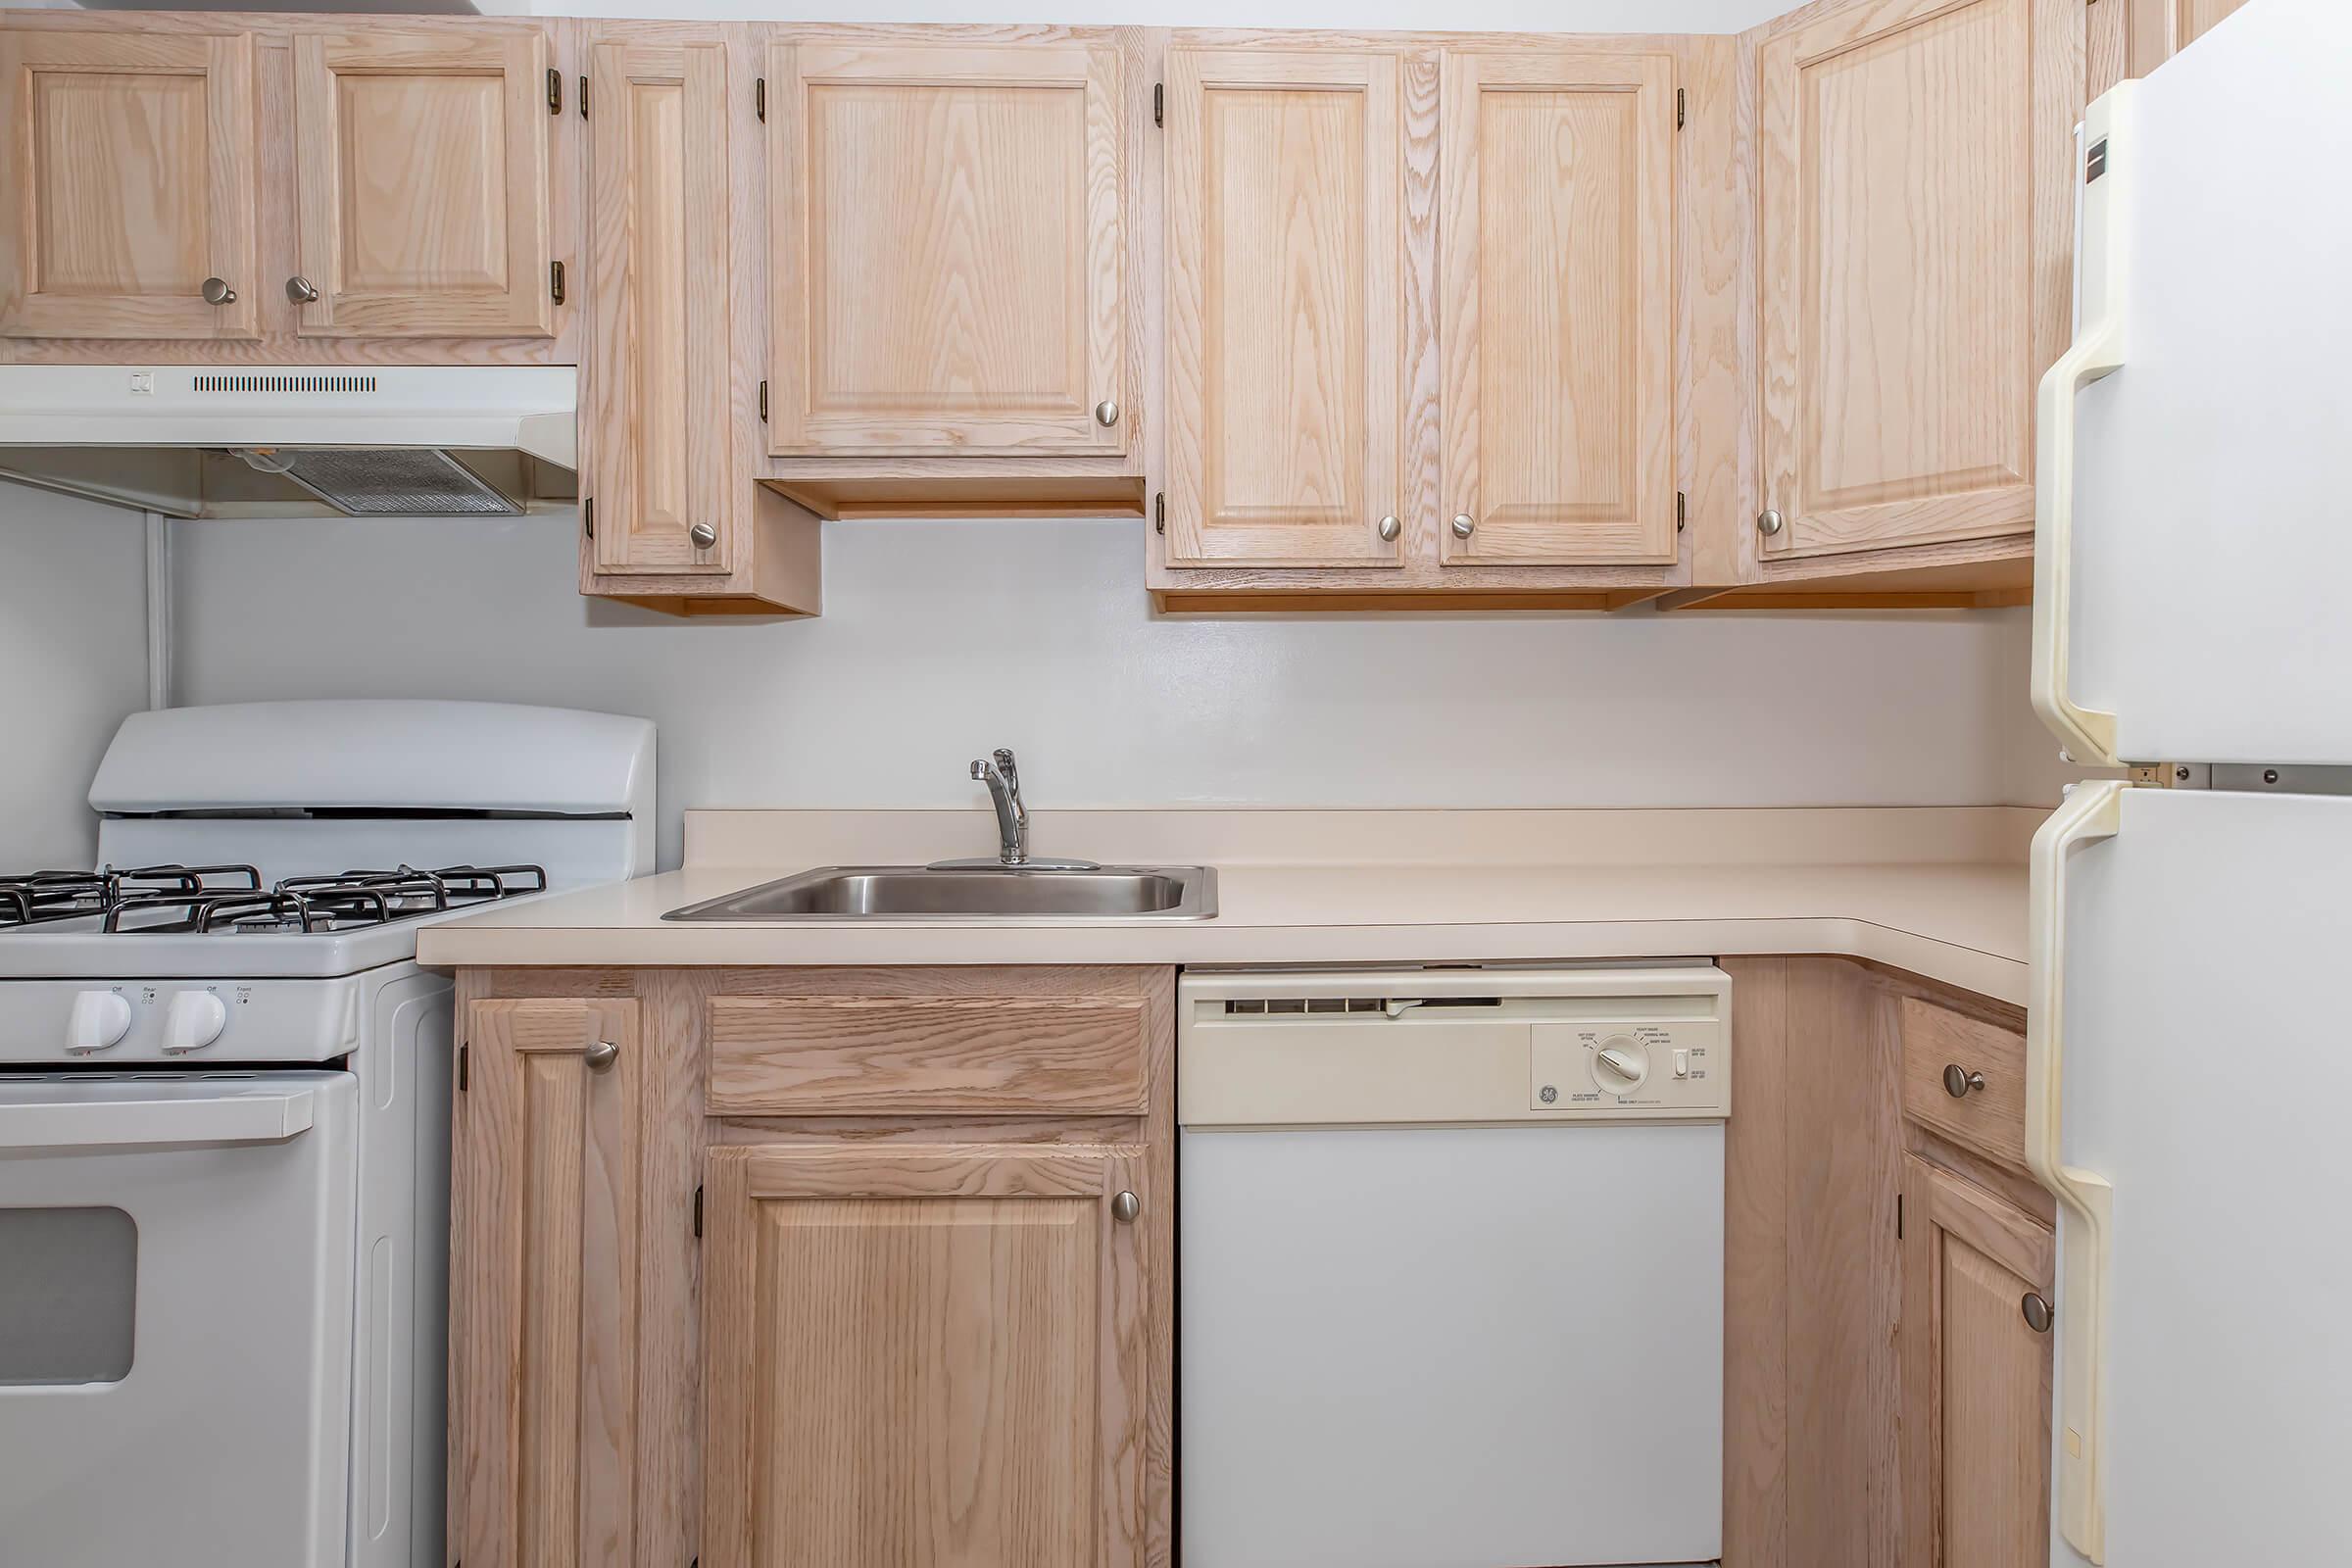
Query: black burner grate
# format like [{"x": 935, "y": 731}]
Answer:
[{"x": 233, "y": 898}]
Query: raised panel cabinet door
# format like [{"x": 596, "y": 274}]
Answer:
[
  {"x": 1916, "y": 199},
  {"x": 923, "y": 1355},
  {"x": 1557, "y": 320},
  {"x": 948, "y": 257},
  {"x": 1976, "y": 1379},
  {"x": 659, "y": 347},
  {"x": 1285, "y": 308},
  {"x": 543, "y": 1272},
  {"x": 2162, "y": 28},
  {"x": 131, "y": 164},
  {"x": 421, "y": 185}
]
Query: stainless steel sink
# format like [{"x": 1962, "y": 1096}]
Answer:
[{"x": 987, "y": 892}]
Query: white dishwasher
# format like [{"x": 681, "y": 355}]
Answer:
[{"x": 1450, "y": 1267}]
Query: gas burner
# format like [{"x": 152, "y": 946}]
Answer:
[
  {"x": 233, "y": 899},
  {"x": 36, "y": 898},
  {"x": 336, "y": 902}
]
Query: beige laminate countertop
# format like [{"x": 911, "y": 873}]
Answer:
[{"x": 1939, "y": 893}]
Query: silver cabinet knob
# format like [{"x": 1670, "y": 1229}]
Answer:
[
  {"x": 1107, "y": 413},
  {"x": 1959, "y": 1082},
  {"x": 1768, "y": 523},
  {"x": 2036, "y": 1308},
  {"x": 1125, "y": 1208},
  {"x": 1390, "y": 527},
  {"x": 604, "y": 1053},
  {"x": 703, "y": 535},
  {"x": 301, "y": 290},
  {"x": 1464, "y": 526},
  {"x": 218, "y": 292}
]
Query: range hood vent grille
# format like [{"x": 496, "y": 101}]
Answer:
[
  {"x": 282, "y": 383},
  {"x": 388, "y": 481}
]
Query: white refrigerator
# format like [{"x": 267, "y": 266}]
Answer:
[{"x": 2190, "y": 1044}]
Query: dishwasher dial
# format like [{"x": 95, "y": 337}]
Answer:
[{"x": 1620, "y": 1064}]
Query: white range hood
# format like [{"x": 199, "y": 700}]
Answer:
[{"x": 194, "y": 440}]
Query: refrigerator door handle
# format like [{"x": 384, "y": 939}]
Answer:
[
  {"x": 2092, "y": 811},
  {"x": 2088, "y": 734}
]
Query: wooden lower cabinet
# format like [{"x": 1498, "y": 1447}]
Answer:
[
  {"x": 709, "y": 1316},
  {"x": 1978, "y": 1276},
  {"x": 543, "y": 1252},
  {"x": 924, "y": 1354}
]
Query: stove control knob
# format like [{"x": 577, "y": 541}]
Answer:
[
  {"x": 101, "y": 1018},
  {"x": 193, "y": 1021},
  {"x": 1620, "y": 1064}
]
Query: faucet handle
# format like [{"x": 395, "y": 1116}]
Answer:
[{"x": 1005, "y": 765}]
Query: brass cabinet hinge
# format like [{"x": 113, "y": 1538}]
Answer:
[
  {"x": 588, "y": 516},
  {"x": 583, "y": 97},
  {"x": 763, "y": 403},
  {"x": 1160, "y": 103},
  {"x": 698, "y": 1211},
  {"x": 554, "y": 280},
  {"x": 759, "y": 99},
  {"x": 1159, "y": 511},
  {"x": 1681, "y": 105},
  {"x": 464, "y": 1066},
  {"x": 554, "y": 91},
  {"x": 1681, "y": 503},
  {"x": 1898, "y": 1216}
]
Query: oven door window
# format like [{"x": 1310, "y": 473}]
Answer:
[{"x": 69, "y": 1297}]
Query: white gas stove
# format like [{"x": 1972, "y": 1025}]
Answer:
[{"x": 224, "y": 1118}]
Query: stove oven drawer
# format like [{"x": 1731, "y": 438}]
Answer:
[
  {"x": 176, "y": 1265},
  {"x": 937, "y": 1055}
]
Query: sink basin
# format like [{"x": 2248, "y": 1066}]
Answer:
[{"x": 971, "y": 893}]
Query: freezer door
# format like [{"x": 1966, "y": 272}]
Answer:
[
  {"x": 2189, "y": 1081},
  {"x": 2195, "y": 527}
]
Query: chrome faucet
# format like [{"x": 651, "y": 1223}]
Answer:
[{"x": 1003, "y": 781}]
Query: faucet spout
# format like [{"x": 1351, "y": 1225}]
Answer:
[{"x": 1003, "y": 780}]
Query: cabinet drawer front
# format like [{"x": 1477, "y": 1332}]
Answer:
[
  {"x": 920, "y": 1056},
  {"x": 1991, "y": 1119}
]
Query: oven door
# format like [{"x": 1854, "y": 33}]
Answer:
[{"x": 176, "y": 1318}]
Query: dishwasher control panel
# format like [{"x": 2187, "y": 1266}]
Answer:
[
  {"x": 1626, "y": 1064},
  {"x": 1453, "y": 1046}
]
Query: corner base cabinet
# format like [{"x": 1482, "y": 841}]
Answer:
[{"x": 864, "y": 1267}]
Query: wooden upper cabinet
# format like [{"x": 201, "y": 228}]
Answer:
[
  {"x": 2162, "y": 28},
  {"x": 422, "y": 184},
  {"x": 924, "y": 1354},
  {"x": 1285, "y": 307},
  {"x": 660, "y": 454},
  {"x": 1558, "y": 317},
  {"x": 949, "y": 254},
  {"x": 1976, "y": 1376},
  {"x": 1915, "y": 181},
  {"x": 544, "y": 1267},
  {"x": 132, "y": 169}
]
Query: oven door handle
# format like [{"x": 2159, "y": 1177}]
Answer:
[{"x": 242, "y": 1117}]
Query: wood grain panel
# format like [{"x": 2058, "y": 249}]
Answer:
[
  {"x": 797, "y": 1055},
  {"x": 1991, "y": 1120},
  {"x": 1914, "y": 280},
  {"x": 1559, "y": 289},
  {"x": 923, "y": 1356},
  {"x": 949, "y": 248},
  {"x": 1845, "y": 1170},
  {"x": 1976, "y": 1378},
  {"x": 422, "y": 184},
  {"x": 660, "y": 454},
  {"x": 134, "y": 164},
  {"x": 1284, "y": 336},
  {"x": 1756, "y": 1272},
  {"x": 2162, "y": 28},
  {"x": 543, "y": 1268}
]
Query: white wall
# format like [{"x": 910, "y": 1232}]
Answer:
[
  {"x": 73, "y": 662},
  {"x": 943, "y": 639}
]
